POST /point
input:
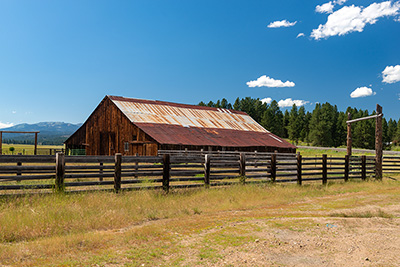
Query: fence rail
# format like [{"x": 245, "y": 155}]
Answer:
[{"x": 29, "y": 174}]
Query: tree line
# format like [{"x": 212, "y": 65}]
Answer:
[{"x": 324, "y": 126}]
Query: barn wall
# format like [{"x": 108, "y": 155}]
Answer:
[{"x": 107, "y": 130}]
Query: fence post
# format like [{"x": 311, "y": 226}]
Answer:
[
  {"x": 273, "y": 167},
  {"x": 242, "y": 168},
  {"x": 363, "y": 167},
  {"x": 324, "y": 169},
  {"x": 117, "y": 172},
  {"x": 166, "y": 168},
  {"x": 378, "y": 143},
  {"x": 207, "y": 166},
  {"x": 101, "y": 172},
  {"x": 346, "y": 167},
  {"x": 60, "y": 172},
  {"x": 299, "y": 178},
  {"x": 19, "y": 164}
]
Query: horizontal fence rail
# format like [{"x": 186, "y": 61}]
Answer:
[{"x": 177, "y": 169}]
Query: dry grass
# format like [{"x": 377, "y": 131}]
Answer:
[{"x": 147, "y": 227}]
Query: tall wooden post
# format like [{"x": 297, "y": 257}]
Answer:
[
  {"x": 378, "y": 143},
  {"x": 363, "y": 167},
  {"x": 35, "y": 150},
  {"x": 242, "y": 168},
  {"x": 349, "y": 140}
]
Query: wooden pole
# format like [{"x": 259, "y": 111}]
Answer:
[
  {"x": 346, "y": 167},
  {"x": 299, "y": 178},
  {"x": 207, "y": 171},
  {"x": 363, "y": 167},
  {"x": 35, "y": 150},
  {"x": 19, "y": 164},
  {"x": 324, "y": 169},
  {"x": 242, "y": 164},
  {"x": 378, "y": 143},
  {"x": 60, "y": 172},
  {"x": 273, "y": 167},
  {"x": 349, "y": 140},
  {"x": 101, "y": 171},
  {"x": 166, "y": 169},
  {"x": 117, "y": 172}
]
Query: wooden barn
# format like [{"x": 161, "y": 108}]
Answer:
[{"x": 134, "y": 126}]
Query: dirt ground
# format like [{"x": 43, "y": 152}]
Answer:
[{"x": 367, "y": 239}]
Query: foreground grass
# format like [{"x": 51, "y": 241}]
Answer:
[{"x": 147, "y": 227}]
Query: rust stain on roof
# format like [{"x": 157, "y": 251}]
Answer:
[{"x": 159, "y": 112}]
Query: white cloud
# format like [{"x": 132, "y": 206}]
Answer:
[
  {"x": 300, "y": 35},
  {"x": 391, "y": 74},
  {"x": 267, "y": 100},
  {"x": 354, "y": 18},
  {"x": 340, "y": 2},
  {"x": 288, "y": 102},
  {"x": 6, "y": 125},
  {"x": 269, "y": 82},
  {"x": 362, "y": 92},
  {"x": 13, "y": 112},
  {"x": 282, "y": 23},
  {"x": 325, "y": 8}
]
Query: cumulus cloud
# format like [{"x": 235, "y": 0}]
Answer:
[
  {"x": 267, "y": 100},
  {"x": 362, "y": 92},
  {"x": 288, "y": 102},
  {"x": 391, "y": 74},
  {"x": 354, "y": 19},
  {"x": 269, "y": 82},
  {"x": 282, "y": 23},
  {"x": 325, "y": 8},
  {"x": 300, "y": 35},
  {"x": 5, "y": 125}
]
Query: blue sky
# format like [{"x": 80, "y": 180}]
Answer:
[{"x": 58, "y": 59}]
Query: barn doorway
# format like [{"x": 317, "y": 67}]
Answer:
[{"x": 107, "y": 143}]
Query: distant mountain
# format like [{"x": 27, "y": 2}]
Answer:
[{"x": 51, "y": 133}]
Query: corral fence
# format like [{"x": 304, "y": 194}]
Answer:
[{"x": 180, "y": 169}]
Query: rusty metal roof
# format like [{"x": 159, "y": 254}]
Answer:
[
  {"x": 178, "y": 135},
  {"x": 147, "y": 111},
  {"x": 172, "y": 123}
]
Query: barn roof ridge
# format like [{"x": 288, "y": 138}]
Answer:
[{"x": 167, "y": 103}]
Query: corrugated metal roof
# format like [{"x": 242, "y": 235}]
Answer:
[
  {"x": 178, "y": 135},
  {"x": 172, "y": 123},
  {"x": 145, "y": 111}
]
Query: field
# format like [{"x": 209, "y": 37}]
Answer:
[
  {"x": 26, "y": 149},
  {"x": 353, "y": 223}
]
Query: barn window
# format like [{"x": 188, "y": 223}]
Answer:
[
  {"x": 126, "y": 146},
  {"x": 134, "y": 137}
]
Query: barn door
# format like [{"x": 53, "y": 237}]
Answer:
[{"x": 107, "y": 143}]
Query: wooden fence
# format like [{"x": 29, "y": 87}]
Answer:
[{"x": 29, "y": 174}]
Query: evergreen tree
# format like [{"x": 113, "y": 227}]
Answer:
[
  {"x": 294, "y": 126},
  {"x": 272, "y": 120}
]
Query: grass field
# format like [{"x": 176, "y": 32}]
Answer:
[
  {"x": 26, "y": 149},
  {"x": 184, "y": 228}
]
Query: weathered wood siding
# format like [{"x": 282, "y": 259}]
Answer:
[{"x": 106, "y": 132}]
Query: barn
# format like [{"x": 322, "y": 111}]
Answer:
[{"x": 143, "y": 127}]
